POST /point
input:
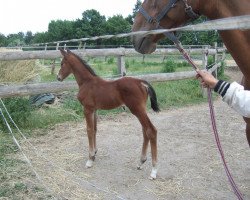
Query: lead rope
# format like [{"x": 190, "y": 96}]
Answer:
[{"x": 212, "y": 115}]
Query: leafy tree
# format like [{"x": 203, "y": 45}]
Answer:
[
  {"x": 28, "y": 37},
  {"x": 91, "y": 24},
  {"x": 16, "y": 39},
  {"x": 131, "y": 17},
  {"x": 115, "y": 25},
  {"x": 3, "y": 40},
  {"x": 60, "y": 30},
  {"x": 41, "y": 37}
]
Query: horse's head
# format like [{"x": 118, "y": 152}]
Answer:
[
  {"x": 65, "y": 69},
  {"x": 156, "y": 14}
]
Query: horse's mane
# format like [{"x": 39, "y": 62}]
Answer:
[{"x": 85, "y": 65}]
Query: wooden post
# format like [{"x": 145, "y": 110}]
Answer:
[
  {"x": 80, "y": 45},
  {"x": 57, "y": 46},
  {"x": 143, "y": 58},
  {"x": 53, "y": 66},
  {"x": 121, "y": 65},
  {"x": 45, "y": 49}
]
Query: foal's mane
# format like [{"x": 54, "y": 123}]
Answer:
[{"x": 85, "y": 64}]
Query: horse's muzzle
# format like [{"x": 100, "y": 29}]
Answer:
[
  {"x": 143, "y": 45},
  {"x": 59, "y": 78}
]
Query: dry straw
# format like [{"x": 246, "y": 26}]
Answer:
[{"x": 19, "y": 71}]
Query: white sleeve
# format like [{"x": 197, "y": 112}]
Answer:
[{"x": 238, "y": 98}]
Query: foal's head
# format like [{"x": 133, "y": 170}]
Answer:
[{"x": 65, "y": 69}]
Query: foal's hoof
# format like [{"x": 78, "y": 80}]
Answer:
[
  {"x": 152, "y": 177},
  {"x": 89, "y": 164},
  {"x": 153, "y": 174}
]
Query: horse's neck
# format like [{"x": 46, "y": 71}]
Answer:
[
  {"x": 81, "y": 73},
  {"x": 236, "y": 41},
  {"x": 215, "y": 9}
]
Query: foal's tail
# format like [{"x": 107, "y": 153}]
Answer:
[{"x": 153, "y": 98}]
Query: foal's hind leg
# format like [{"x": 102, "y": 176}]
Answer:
[
  {"x": 95, "y": 131},
  {"x": 90, "y": 120},
  {"x": 144, "y": 149},
  {"x": 149, "y": 134}
]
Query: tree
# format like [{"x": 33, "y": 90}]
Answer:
[
  {"x": 115, "y": 25},
  {"x": 131, "y": 18},
  {"x": 16, "y": 39},
  {"x": 3, "y": 40},
  {"x": 41, "y": 37},
  {"x": 28, "y": 37},
  {"x": 60, "y": 30}
]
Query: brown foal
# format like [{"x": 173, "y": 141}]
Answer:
[{"x": 96, "y": 93}]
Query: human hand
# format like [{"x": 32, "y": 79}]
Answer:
[{"x": 207, "y": 80}]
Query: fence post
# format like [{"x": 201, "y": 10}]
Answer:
[
  {"x": 57, "y": 46},
  {"x": 45, "y": 49},
  {"x": 80, "y": 45},
  {"x": 121, "y": 65},
  {"x": 53, "y": 66}
]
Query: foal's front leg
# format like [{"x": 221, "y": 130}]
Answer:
[{"x": 90, "y": 121}]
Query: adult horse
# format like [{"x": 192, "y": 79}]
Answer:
[
  {"x": 96, "y": 93},
  {"x": 167, "y": 14}
]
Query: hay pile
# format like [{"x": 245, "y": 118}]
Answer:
[{"x": 19, "y": 71}]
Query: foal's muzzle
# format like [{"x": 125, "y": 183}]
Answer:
[{"x": 59, "y": 78}]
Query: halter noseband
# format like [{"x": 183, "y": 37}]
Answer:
[{"x": 165, "y": 10}]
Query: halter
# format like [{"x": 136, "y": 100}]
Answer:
[{"x": 188, "y": 10}]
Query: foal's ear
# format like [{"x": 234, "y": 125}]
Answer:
[
  {"x": 64, "y": 53},
  {"x": 68, "y": 50}
]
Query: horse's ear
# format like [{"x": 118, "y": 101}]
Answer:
[
  {"x": 62, "y": 51},
  {"x": 68, "y": 50}
]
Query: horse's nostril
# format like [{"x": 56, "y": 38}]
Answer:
[{"x": 59, "y": 78}]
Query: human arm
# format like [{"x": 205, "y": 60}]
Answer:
[
  {"x": 233, "y": 94},
  {"x": 237, "y": 98}
]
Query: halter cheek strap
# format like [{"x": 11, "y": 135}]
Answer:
[
  {"x": 157, "y": 19},
  {"x": 188, "y": 9}
]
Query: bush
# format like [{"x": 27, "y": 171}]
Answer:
[
  {"x": 20, "y": 110},
  {"x": 110, "y": 60},
  {"x": 169, "y": 66}
]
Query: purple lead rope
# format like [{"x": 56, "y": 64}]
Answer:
[{"x": 212, "y": 115}]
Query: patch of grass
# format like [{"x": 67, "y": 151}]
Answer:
[
  {"x": 20, "y": 111},
  {"x": 178, "y": 93}
]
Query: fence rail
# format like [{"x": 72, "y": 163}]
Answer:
[
  {"x": 54, "y": 87},
  {"x": 53, "y": 54},
  {"x": 38, "y": 88}
]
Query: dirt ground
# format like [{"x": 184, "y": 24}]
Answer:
[{"x": 189, "y": 163}]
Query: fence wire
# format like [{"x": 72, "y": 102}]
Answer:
[{"x": 230, "y": 23}]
